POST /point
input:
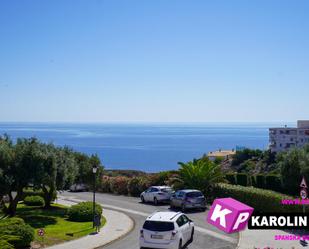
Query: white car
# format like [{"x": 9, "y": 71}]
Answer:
[
  {"x": 168, "y": 230},
  {"x": 157, "y": 194},
  {"x": 79, "y": 187}
]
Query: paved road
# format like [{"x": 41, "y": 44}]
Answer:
[{"x": 206, "y": 236}]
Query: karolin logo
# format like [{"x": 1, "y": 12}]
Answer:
[{"x": 229, "y": 215}]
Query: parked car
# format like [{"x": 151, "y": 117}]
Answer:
[
  {"x": 79, "y": 187},
  {"x": 170, "y": 230},
  {"x": 157, "y": 194},
  {"x": 188, "y": 199}
]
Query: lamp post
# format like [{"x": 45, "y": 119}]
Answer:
[{"x": 94, "y": 171}]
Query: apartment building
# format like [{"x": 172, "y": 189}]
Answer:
[{"x": 282, "y": 139}]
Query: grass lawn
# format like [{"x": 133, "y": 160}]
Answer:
[{"x": 55, "y": 224}]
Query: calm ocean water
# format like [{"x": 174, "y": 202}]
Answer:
[{"x": 147, "y": 147}]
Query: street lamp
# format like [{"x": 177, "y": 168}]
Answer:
[{"x": 94, "y": 171}]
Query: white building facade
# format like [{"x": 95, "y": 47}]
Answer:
[{"x": 282, "y": 139}]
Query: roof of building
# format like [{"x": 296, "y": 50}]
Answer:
[{"x": 221, "y": 153}]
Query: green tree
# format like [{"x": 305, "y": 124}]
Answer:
[
  {"x": 293, "y": 166},
  {"x": 85, "y": 165},
  {"x": 17, "y": 165},
  {"x": 200, "y": 174},
  {"x": 46, "y": 171}
]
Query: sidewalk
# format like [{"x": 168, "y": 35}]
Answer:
[
  {"x": 117, "y": 225},
  {"x": 262, "y": 239}
]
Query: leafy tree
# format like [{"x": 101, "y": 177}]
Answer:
[
  {"x": 200, "y": 174},
  {"x": 293, "y": 165},
  {"x": 46, "y": 171},
  {"x": 85, "y": 165},
  {"x": 243, "y": 155},
  {"x": 16, "y": 164}
]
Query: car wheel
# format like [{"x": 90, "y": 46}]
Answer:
[
  {"x": 183, "y": 208},
  {"x": 180, "y": 244},
  {"x": 142, "y": 199},
  {"x": 203, "y": 209},
  {"x": 155, "y": 200}
]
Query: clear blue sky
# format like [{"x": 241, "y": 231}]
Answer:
[{"x": 154, "y": 60}]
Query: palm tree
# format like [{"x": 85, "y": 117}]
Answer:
[{"x": 200, "y": 174}]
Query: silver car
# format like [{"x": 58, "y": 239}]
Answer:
[
  {"x": 188, "y": 199},
  {"x": 157, "y": 194}
]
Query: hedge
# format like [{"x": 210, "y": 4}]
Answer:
[
  {"x": 20, "y": 234},
  {"x": 83, "y": 211},
  {"x": 5, "y": 245},
  {"x": 34, "y": 201},
  {"x": 253, "y": 181},
  {"x": 260, "y": 199},
  {"x": 231, "y": 178},
  {"x": 260, "y": 181},
  {"x": 242, "y": 179},
  {"x": 119, "y": 185},
  {"x": 134, "y": 187},
  {"x": 273, "y": 182}
]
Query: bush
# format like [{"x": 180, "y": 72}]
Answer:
[
  {"x": 253, "y": 181},
  {"x": 242, "y": 179},
  {"x": 83, "y": 211},
  {"x": 105, "y": 185},
  {"x": 5, "y": 245},
  {"x": 20, "y": 234},
  {"x": 273, "y": 182},
  {"x": 34, "y": 201},
  {"x": 260, "y": 199},
  {"x": 135, "y": 186},
  {"x": 28, "y": 192},
  {"x": 119, "y": 185},
  {"x": 231, "y": 178},
  {"x": 260, "y": 181}
]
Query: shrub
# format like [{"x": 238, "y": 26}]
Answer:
[
  {"x": 260, "y": 199},
  {"x": 230, "y": 178},
  {"x": 19, "y": 233},
  {"x": 28, "y": 192},
  {"x": 260, "y": 181},
  {"x": 105, "y": 184},
  {"x": 34, "y": 201},
  {"x": 253, "y": 181},
  {"x": 83, "y": 211},
  {"x": 135, "y": 186},
  {"x": 273, "y": 182},
  {"x": 119, "y": 185},
  {"x": 242, "y": 179},
  {"x": 5, "y": 245}
]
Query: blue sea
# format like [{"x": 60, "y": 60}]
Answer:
[{"x": 147, "y": 147}]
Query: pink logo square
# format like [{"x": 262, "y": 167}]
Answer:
[{"x": 229, "y": 215}]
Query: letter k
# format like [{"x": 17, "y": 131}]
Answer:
[{"x": 218, "y": 213}]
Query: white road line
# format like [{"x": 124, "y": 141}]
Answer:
[{"x": 199, "y": 229}]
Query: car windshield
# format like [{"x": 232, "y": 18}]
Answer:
[
  {"x": 167, "y": 190},
  {"x": 158, "y": 226},
  {"x": 194, "y": 194}
]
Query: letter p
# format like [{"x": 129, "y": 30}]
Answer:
[{"x": 240, "y": 219}]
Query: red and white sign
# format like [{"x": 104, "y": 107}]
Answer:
[
  {"x": 303, "y": 194},
  {"x": 303, "y": 183},
  {"x": 41, "y": 232}
]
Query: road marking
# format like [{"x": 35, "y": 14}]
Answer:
[{"x": 197, "y": 228}]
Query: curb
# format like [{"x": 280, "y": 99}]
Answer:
[
  {"x": 120, "y": 237},
  {"x": 127, "y": 230},
  {"x": 239, "y": 239}
]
